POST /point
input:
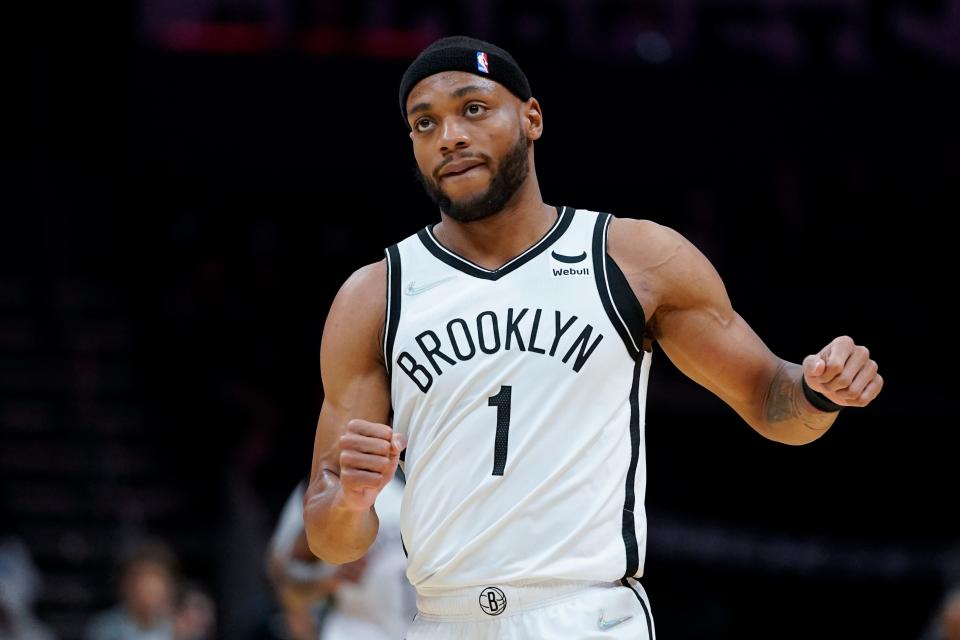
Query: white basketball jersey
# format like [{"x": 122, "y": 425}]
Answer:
[{"x": 521, "y": 391}]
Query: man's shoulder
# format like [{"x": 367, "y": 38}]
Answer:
[
  {"x": 368, "y": 284},
  {"x": 641, "y": 229},
  {"x": 356, "y": 318},
  {"x": 661, "y": 261},
  {"x": 662, "y": 267},
  {"x": 642, "y": 243},
  {"x": 369, "y": 274}
]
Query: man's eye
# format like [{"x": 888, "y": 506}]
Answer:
[
  {"x": 422, "y": 124},
  {"x": 475, "y": 109}
]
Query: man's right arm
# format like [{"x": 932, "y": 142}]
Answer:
[{"x": 355, "y": 453}]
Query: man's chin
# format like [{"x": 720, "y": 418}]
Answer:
[
  {"x": 465, "y": 193},
  {"x": 471, "y": 210}
]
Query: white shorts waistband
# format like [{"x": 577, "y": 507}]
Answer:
[{"x": 498, "y": 600}]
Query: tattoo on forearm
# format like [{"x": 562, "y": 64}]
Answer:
[{"x": 785, "y": 401}]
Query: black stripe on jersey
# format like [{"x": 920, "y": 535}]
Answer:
[
  {"x": 646, "y": 611},
  {"x": 618, "y": 299},
  {"x": 564, "y": 217},
  {"x": 629, "y": 499},
  {"x": 393, "y": 305},
  {"x": 625, "y": 301}
]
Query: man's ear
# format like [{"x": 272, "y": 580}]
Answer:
[{"x": 532, "y": 119}]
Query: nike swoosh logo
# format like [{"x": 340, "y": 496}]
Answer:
[
  {"x": 412, "y": 288},
  {"x": 569, "y": 259},
  {"x": 606, "y": 625}
]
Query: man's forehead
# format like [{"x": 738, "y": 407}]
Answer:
[{"x": 447, "y": 82}]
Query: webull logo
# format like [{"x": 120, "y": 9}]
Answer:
[{"x": 569, "y": 264}]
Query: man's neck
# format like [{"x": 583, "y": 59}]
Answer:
[{"x": 497, "y": 239}]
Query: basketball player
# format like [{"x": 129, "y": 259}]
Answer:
[
  {"x": 369, "y": 599},
  {"x": 502, "y": 354}
]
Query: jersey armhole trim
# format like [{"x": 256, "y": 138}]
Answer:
[
  {"x": 393, "y": 305},
  {"x": 628, "y": 528},
  {"x": 619, "y": 301}
]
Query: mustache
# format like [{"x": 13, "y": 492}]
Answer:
[{"x": 461, "y": 156}]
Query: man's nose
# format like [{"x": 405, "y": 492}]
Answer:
[{"x": 453, "y": 135}]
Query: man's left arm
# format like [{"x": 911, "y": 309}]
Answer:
[{"x": 701, "y": 333}]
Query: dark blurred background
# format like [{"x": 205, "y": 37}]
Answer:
[{"x": 200, "y": 177}]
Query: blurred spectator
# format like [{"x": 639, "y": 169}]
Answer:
[
  {"x": 194, "y": 616},
  {"x": 19, "y": 584},
  {"x": 369, "y": 599},
  {"x": 946, "y": 624},
  {"x": 147, "y": 586}
]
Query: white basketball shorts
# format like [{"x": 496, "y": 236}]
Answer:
[{"x": 554, "y": 610}]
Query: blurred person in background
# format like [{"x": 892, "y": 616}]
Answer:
[
  {"x": 194, "y": 615},
  {"x": 367, "y": 599},
  {"x": 521, "y": 436},
  {"x": 946, "y": 623},
  {"x": 147, "y": 581},
  {"x": 19, "y": 585}
]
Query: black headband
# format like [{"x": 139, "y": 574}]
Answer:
[{"x": 461, "y": 53}]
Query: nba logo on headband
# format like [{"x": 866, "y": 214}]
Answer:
[{"x": 482, "y": 62}]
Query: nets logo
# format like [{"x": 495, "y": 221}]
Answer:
[
  {"x": 482, "y": 63},
  {"x": 493, "y": 601}
]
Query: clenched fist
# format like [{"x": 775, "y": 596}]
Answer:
[
  {"x": 369, "y": 454},
  {"x": 844, "y": 373}
]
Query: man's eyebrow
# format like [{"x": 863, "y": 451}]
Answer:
[
  {"x": 458, "y": 93},
  {"x": 470, "y": 88},
  {"x": 420, "y": 106}
]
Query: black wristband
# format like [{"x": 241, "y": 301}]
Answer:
[{"x": 817, "y": 399}]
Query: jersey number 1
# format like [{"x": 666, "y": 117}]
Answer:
[{"x": 502, "y": 402}]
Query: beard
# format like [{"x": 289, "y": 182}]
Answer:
[{"x": 511, "y": 173}]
